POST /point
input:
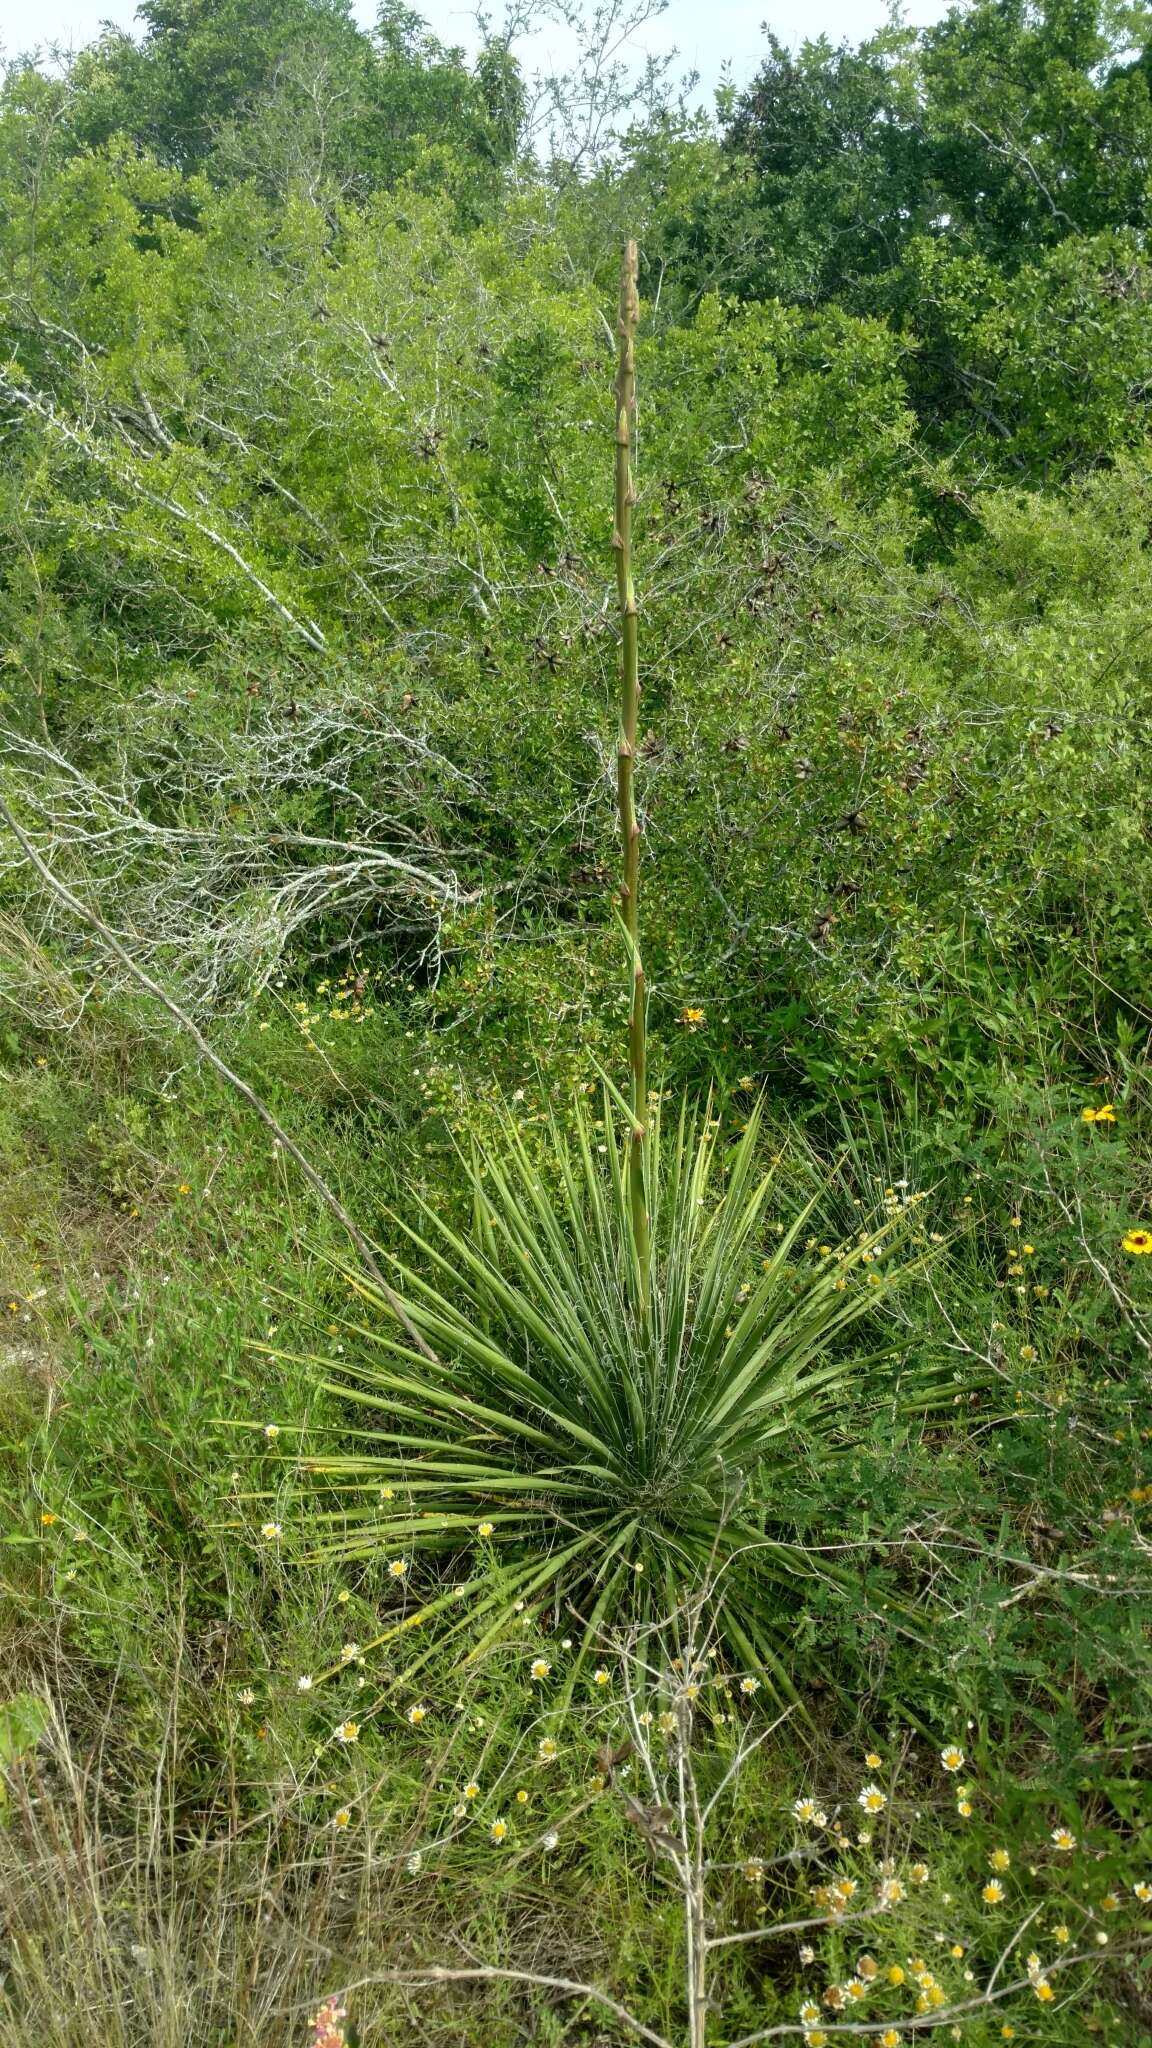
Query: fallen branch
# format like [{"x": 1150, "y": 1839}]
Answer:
[{"x": 489, "y": 1973}]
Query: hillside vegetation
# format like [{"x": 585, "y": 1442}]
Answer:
[{"x": 603, "y": 1493}]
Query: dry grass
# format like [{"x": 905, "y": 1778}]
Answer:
[
  {"x": 131, "y": 1919},
  {"x": 128, "y": 1921}
]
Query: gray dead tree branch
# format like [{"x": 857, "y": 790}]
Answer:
[
  {"x": 91, "y": 918},
  {"x": 206, "y": 845}
]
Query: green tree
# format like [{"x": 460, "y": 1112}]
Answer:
[
  {"x": 292, "y": 94},
  {"x": 1039, "y": 121},
  {"x": 1007, "y": 124},
  {"x": 200, "y": 63},
  {"x": 834, "y": 142}
]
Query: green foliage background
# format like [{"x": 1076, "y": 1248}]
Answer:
[{"x": 305, "y": 449}]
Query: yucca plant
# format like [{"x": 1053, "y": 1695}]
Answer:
[
  {"x": 620, "y": 1370},
  {"x": 568, "y": 1444}
]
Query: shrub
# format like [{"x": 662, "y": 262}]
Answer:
[{"x": 593, "y": 1449}]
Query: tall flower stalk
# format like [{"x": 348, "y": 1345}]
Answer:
[
  {"x": 625, "y": 388},
  {"x": 617, "y": 1458}
]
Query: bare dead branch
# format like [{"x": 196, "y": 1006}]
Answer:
[{"x": 208, "y": 1052}]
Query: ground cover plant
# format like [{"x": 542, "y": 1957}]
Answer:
[{"x": 603, "y": 1493}]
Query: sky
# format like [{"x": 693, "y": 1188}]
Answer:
[{"x": 706, "y": 33}]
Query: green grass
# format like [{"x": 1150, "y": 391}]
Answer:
[{"x": 156, "y": 1813}]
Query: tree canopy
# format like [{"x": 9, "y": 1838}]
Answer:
[{"x": 304, "y": 332}]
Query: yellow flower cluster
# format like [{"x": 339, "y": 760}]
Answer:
[{"x": 870, "y": 1977}]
